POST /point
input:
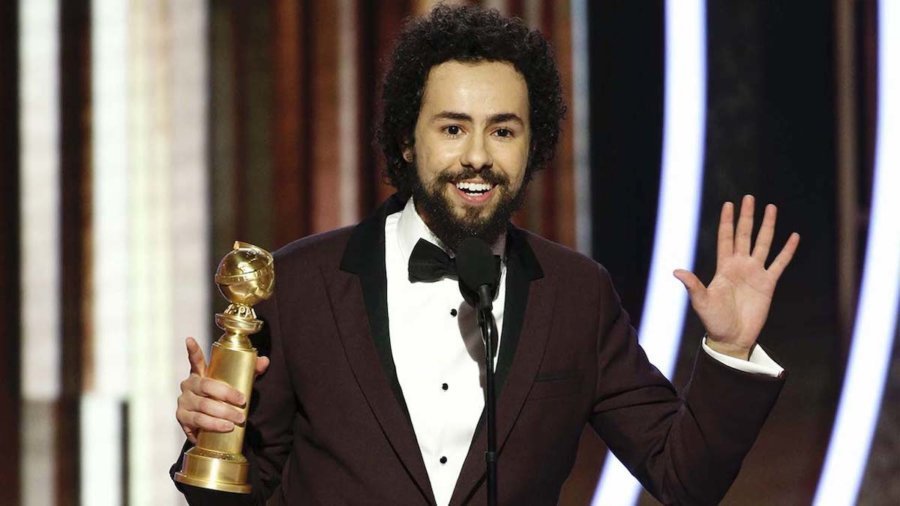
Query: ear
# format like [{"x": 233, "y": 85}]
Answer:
[{"x": 407, "y": 153}]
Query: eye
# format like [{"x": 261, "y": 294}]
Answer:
[
  {"x": 503, "y": 132},
  {"x": 453, "y": 130}
]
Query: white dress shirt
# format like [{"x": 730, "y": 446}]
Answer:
[{"x": 438, "y": 352}]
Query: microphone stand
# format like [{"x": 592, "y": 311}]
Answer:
[{"x": 488, "y": 326}]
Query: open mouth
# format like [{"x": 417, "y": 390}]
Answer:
[
  {"x": 474, "y": 189},
  {"x": 476, "y": 193}
]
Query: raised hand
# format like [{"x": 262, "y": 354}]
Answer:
[
  {"x": 735, "y": 305},
  {"x": 208, "y": 404}
]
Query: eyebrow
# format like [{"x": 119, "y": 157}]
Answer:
[{"x": 493, "y": 119}]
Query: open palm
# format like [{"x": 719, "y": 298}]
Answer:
[{"x": 734, "y": 306}]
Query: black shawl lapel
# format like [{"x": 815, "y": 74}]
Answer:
[
  {"x": 364, "y": 257},
  {"x": 522, "y": 268},
  {"x": 358, "y": 293}
]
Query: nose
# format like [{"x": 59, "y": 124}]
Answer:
[{"x": 476, "y": 154}]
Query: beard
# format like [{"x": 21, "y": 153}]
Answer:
[{"x": 451, "y": 229}]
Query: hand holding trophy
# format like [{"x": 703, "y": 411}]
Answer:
[{"x": 245, "y": 276}]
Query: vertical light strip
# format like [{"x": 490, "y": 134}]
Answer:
[
  {"x": 531, "y": 13},
  {"x": 172, "y": 278},
  {"x": 348, "y": 111},
  {"x": 847, "y": 151},
  {"x": 876, "y": 314},
  {"x": 679, "y": 208},
  {"x": 534, "y": 208},
  {"x": 153, "y": 440},
  {"x": 150, "y": 256},
  {"x": 109, "y": 99},
  {"x": 40, "y": 249},
  {"x": 581, "y": 126},
  {"x": 40, "y": 205},
  {"x": 500, "y": 5},
  {"x": 107, "y": 376},
  {"x": 190, "y": 199},
  {"x": 101, "y": 431}
]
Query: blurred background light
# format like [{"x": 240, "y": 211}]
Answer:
[
  {"x": 108, "y": 378},
  {"x": 876, "y": 313},
  {"x": 40, "y": 244},
  {"x": 581, "y": 126},
  {"x": 678, "y": 213}
]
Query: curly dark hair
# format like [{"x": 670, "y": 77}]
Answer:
[{"x": 467, "y": 34}]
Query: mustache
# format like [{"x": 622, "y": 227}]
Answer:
[{"x": 487, "y": 175}]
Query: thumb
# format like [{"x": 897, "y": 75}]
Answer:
[
  {"x": 695, "y": 288},
  {"x": 195, "y": 357},
  {"x": 262, "y": 363}
]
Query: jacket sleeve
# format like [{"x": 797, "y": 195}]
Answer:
[
  {"x": 269, "y": 435},
  {"x": 683, "y": 449}
]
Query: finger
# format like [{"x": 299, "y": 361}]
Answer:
[
  {"x": 744, "y": 227},
  {"x": 185, "y": 419},
  {"x": 220, "y": 391},
  {"x": 181, "y": 416},
  {"x": 191, "y": 384},
  {"x": 208, "y": 423},
  {"x": 218, "y": 409},
  {"x": 189, "y": 403},
  {"x": 785, "y": 255},
  {"x": 195, "y": 356},
  {"x": 696, "y": 289},
  {"x": 262, "y": 363},
  {"x": 766, "y": 231},
  {"x": 726, "y": 232},
  {"x": 194, "y": 421}
]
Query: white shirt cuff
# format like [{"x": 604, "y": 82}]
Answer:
[{"x": 758, "y": 363}]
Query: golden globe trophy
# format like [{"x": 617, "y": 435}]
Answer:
[{"x": 245, "y": 277}]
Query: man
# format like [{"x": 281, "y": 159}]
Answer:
[{"x": 370, "y": 389}]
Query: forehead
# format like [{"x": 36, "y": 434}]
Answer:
[{"x": 475, "y": 88}]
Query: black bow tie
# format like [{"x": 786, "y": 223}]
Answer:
[{"x": 430, "y": 263}]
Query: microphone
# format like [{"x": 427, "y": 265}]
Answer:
[{"x": 479, "y": 273}]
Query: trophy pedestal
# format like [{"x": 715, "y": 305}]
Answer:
[
  {"x": 214, "y": 470},
  {"x": 216, "y": 461}
]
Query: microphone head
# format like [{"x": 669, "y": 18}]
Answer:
[{"x": 476, "y": 266}]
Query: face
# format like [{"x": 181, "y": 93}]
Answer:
[{"x": 472, "y": 139}]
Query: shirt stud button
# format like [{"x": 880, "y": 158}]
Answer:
[
  {"x": 453, "y": 312},
  {"x": 443, "y": 460},
  {"x": 444, "y": 387}
]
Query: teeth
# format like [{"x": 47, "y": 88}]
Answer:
[{"x": 473, "y": 187}]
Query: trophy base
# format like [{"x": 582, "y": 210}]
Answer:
[{"x": 214, "y": 470}]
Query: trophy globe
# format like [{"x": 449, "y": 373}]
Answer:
[{"x": 245, "y": 277}]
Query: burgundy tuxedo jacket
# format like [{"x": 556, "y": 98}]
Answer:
[{"x": 328, "y": 423}]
